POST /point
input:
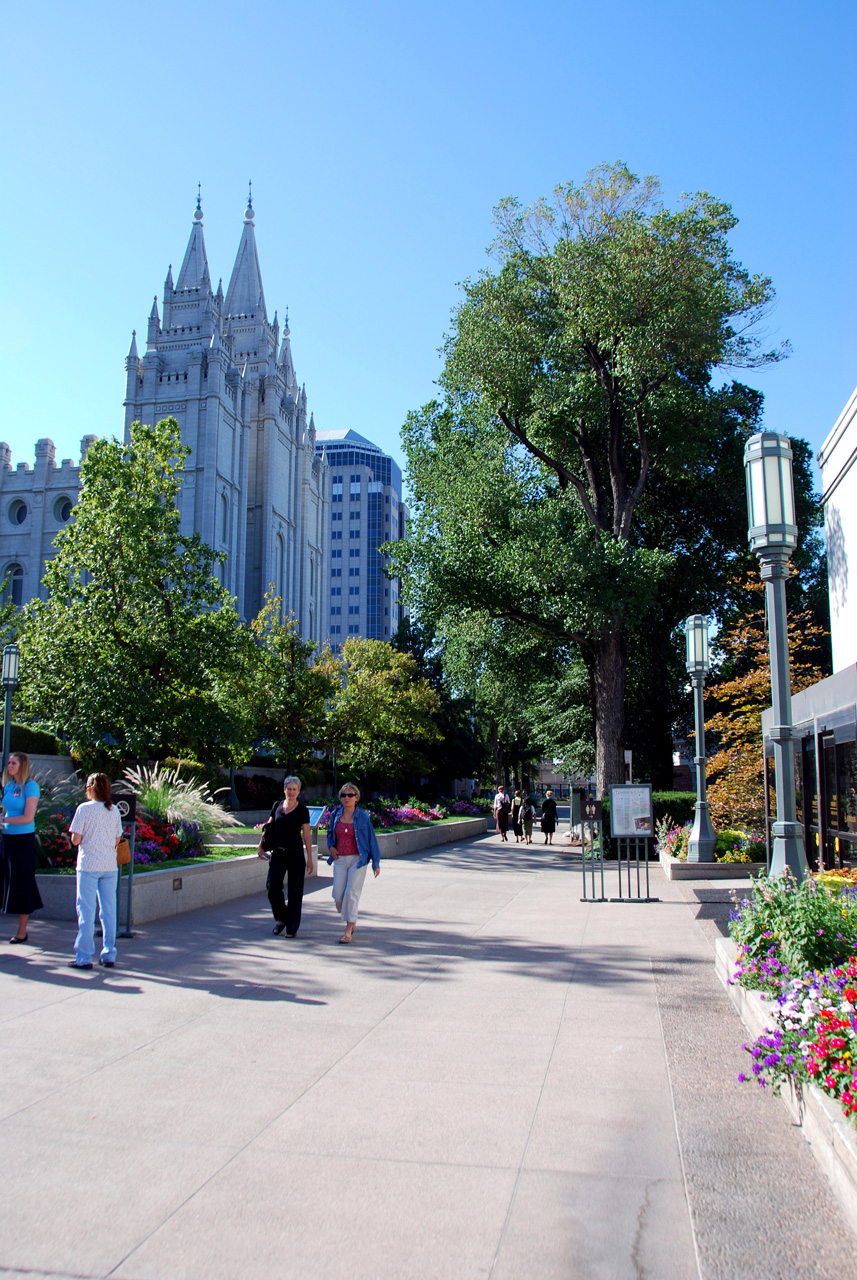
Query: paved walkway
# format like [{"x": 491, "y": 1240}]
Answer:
[{"x": 496, "y": 1080}]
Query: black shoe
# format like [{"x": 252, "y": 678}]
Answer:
[
  {"x": 107, "y": 964},
  {"x": 72, "y": 964},
  {"x": 15, "y": 940},
  {"x": 291, "y": 935},
  {"x": 278, "y": 928}
]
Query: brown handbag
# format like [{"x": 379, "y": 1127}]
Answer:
[{"x": 123, "y": 853}]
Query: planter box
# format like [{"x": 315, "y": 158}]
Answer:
[
  {"x": 675, "y": 869},
  {"x": 158, "y": 894},
  {"x": 831, "y": 1135}
]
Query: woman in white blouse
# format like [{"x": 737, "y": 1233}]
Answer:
[{"x": 96, "y": 829}]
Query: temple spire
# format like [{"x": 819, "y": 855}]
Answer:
[
  {"x": 133, "y": 353},
  {"x": 245, "y": 295},
  {"x": 194, "y": 269}
]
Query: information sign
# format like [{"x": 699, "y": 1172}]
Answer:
[
  {"x": 590, "y": 810},
  {"x": 315, "y": 812},
  {"x": 631, "y": 810}
]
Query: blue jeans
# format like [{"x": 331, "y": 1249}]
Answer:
[{"x": 92, "y": 884}]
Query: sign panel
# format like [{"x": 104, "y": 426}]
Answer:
[
  {"x": 590, "y": 810},
  {"x": 315, "y": 812},
  {"x": 631, "y": 810},
  {"x": 126, "y": 803}
]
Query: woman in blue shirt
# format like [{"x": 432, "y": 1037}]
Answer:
[{"x": 20, "y": 799}]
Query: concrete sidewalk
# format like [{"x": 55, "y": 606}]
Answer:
[{"x": 495, "y": 1080}]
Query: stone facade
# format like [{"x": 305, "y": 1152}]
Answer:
[
  {"x": 366, "y": 510},
  {"x": 254, "y": 486},
  {"x": 35, "y": 505}
]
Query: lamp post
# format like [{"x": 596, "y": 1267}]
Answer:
[
  {"x": 703, "y": 837},
  {"x": 773, "y": 537},
  {"x": 11, "y": 663}
]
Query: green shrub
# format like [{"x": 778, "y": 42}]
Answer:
[
  {"x": 34, "y": 742},
  {"x": 802, "y": 926}
]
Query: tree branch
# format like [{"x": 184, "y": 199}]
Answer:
[{"x": 562, "y": 473}]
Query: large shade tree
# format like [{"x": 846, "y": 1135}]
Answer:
[{"x": 576, "y": 373}]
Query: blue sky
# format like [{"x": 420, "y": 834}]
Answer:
[{"x": 378, "y": 138}]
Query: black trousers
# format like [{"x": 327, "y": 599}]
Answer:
[{"x": 282, "y": 865}]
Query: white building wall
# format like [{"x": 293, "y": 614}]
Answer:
[{"x": 837, "y": 459}]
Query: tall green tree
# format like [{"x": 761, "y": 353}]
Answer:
[
  {"x": 124, "y": 657},
  {"x": 284, "y": 686},
  {"x": 576, "y": 371},
  {"x": 382, "y": 713}
]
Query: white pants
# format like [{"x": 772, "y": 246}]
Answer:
[{"x": 347, "y": 886}]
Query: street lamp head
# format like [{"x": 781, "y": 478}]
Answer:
[
  {"x": 770, "y": 493},
  {"x": 11, "y": 663},
  {"x": 696, "y": 634}
]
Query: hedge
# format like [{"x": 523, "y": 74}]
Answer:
[{"x": 34, "y": 742}]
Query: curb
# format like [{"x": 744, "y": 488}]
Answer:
[{"x": 675, "y": 869}]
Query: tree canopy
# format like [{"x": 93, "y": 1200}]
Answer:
[
  {"x": 578, "y": 460},
  {"x": 122, "y": 657}
]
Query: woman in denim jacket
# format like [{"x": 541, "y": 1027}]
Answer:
[{"x": 351, "y": 841}]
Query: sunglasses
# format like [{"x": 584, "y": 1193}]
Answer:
[{"x": 347, "y": 795}]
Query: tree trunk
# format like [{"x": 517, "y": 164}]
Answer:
[{"x": 607, "y": 675}]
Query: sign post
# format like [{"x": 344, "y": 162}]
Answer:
[
  {"x": 591, "y": 817},
  {"x": 126, "y": 803}
]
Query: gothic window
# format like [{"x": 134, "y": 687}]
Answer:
[
  {"x": 311, "y": 578},
  {"x": 224, "y": 518},
  {"x": 13, "y": 588},
  {"x": 62, "y": 510},
  {"x": 18, "y": 512},
  {"x": 279, "y": 568}
]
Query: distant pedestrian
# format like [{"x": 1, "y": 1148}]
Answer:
[
  {"x": 548, "y": 816},
  {"x": 502, "y": 809},
  {"x": 291, "y": 834},
  {"x": 20, "y": 801},
  {"x": 517, "y": 801},
  {"x": 96, "y": 829},
  {"x": 352, "y": 842},
  {"x": 528, "y": 813}
]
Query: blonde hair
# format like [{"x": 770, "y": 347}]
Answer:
[
  {"x": 23, "y": 771},
  {"x": 351, "y": 787}
]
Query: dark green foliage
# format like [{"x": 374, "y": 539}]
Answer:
[{"x": 36, "y": 742}]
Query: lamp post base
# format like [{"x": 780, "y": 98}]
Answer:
[
  {"x": 787, "y": 851},
  {"x": 703, "y": 838}
]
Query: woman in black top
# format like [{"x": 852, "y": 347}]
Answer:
[
  {"x": 292, "y": 834},
  {"x": 549, "y": 816}
]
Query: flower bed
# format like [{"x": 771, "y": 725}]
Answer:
[
  {"x": 392, "y": 814},
  {"x": 733, "y": 846},
  {"x": 798, "y": 944}
]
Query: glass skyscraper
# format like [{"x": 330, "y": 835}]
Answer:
[{"x": 366, "y": 511}]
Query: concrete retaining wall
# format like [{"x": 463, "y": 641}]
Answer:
[
  {"x": 831, "y": 1135},
  {"x": 158, "y": 894},
  {"x": 677, "y": 870}
]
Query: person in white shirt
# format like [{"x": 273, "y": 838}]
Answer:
[{"x": 96, "y": 830}]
